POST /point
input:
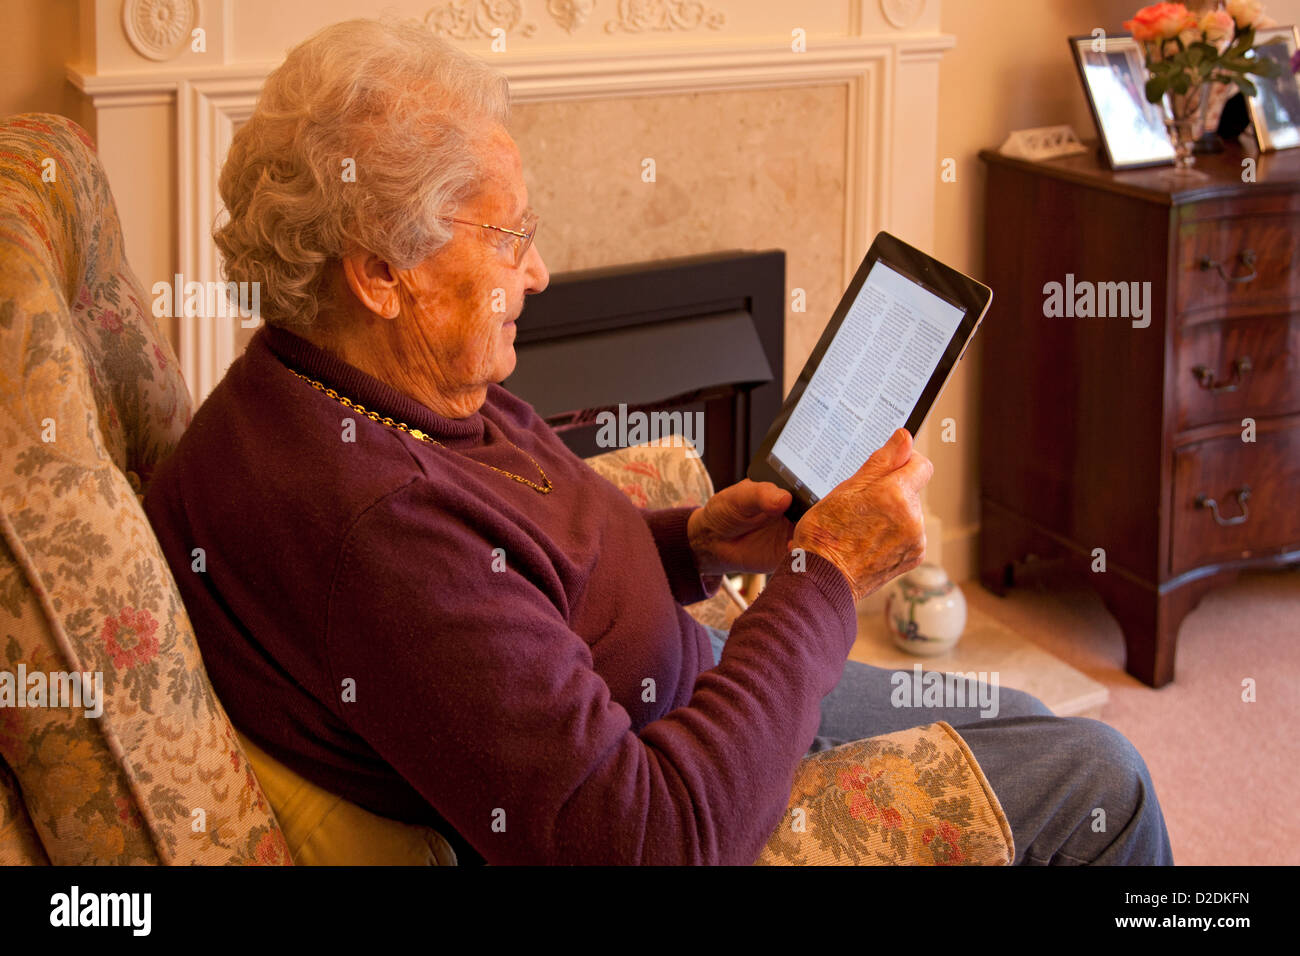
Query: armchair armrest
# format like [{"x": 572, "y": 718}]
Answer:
[
  {"x": 909, "y": 798},
  {"x": 657, "y": 474}
]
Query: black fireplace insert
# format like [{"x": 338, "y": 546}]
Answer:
[{"x": 701, "y": 335}]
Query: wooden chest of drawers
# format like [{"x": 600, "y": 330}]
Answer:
[{"x": 1168, "y": 450}]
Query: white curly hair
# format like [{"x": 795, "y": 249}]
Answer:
[{"x": 405, "y": 107}]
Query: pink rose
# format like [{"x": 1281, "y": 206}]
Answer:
[
  {"x": 110, "y": 321},
  {"x": 1218, "y": 27},
  {"x": 271, "y": 850},
  {"x": 1160, "y": 21},
  {"x": 130, "y": 638},
  {"x": 1245, "y": 13}
]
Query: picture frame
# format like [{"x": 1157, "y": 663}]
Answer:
[
  {"x": 1113, "y": 72},
  {"x": 1275, "y": 110}
]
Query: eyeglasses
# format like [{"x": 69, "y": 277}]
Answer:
[{"x": 523, "y": 235}]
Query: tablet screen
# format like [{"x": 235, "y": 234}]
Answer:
[
  {"x": 880, "y": 365},
  {"x": 869, "y": 380}
]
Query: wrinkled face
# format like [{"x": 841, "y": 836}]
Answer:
[{"x": 466, "y": 297}]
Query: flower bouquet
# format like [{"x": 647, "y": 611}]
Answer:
[{"x": 1193, "y": 58}]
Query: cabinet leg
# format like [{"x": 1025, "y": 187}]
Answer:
[
  {"x": 1150, "y": 622},
  {"x": 996, "y": 554},
  {"x": 1004, "y": 540}
]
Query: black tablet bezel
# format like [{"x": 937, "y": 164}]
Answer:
[{"x": 928, "y": 272}]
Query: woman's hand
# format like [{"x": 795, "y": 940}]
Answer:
[
  {"x": 871, "y": 525},
  {"x": 741, "y": 528}
]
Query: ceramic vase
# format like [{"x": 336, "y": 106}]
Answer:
[{"x": 925, "y": 611}]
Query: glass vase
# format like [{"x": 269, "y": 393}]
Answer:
[{"x": 1185, "y": 115}]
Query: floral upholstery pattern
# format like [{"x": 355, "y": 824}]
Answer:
[
  {"x": 91, "y": 400},
  {"x": 911, "y": 798}
]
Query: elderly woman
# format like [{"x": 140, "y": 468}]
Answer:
[{"x": 418, "y": 598}]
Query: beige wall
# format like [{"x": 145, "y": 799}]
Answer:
[
  {"x": 37, "y": 37},
  {"x": 1012, "y": 69}
]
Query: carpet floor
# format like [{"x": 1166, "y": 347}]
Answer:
[{"x": 1226, "y": 771}]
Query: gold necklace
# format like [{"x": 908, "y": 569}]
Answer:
[{"x": 542, "y": 489}]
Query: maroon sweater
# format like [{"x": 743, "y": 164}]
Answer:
[{"x": 357, "y": 623}]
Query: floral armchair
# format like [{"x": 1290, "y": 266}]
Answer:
[{"x": 91, "y": 400}]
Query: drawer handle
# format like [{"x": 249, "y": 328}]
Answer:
[
  {"x": 1242, "y": 495},
  {"x": 1246, "y": 258},
  {"x": 1240, "y": 369}
]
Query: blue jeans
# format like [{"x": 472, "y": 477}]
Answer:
[{"x": 1074, "y": 790}]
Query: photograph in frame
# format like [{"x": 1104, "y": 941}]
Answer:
[
  {"x": 1275, "y": 109},
  {"x": 1114, "y": 75}
]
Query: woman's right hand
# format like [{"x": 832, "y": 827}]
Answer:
[{"x": 871, "y": 525}]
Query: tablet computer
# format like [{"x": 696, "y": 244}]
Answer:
[{"x": 882, "y": 362}]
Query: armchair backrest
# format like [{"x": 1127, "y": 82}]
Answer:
[{"x": 91, "y": 400}]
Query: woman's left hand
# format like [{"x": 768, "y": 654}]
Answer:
[{"x": 741, "y": 528}]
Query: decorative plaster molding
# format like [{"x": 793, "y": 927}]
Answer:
[
  {"x": 154, "y": 87},
  {"x": 159, "y": 29},
  {"x": 639, "y": 16},
  {"x": 473, "y": 19},
  {"x": 570, "y": 14},
  {"x": 207, "y": 113},
  {"x": 902, "y": 13}
]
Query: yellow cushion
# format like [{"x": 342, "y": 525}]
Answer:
[{"x": 325, "y": 830}]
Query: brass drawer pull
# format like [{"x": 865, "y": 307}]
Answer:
[
  {"x": 1243, "y": 495},
  {"x": 1240, "y": 369},
  {"x": 1247, "y": 258}
]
